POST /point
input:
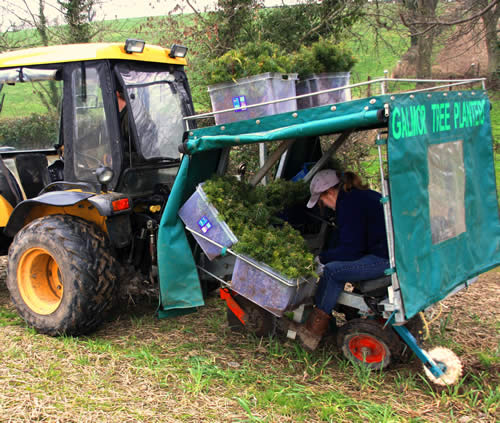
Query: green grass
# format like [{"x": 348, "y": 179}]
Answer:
[
  {"x": 375, "y": 53},
  {"x": 495, "y": 130},
  {"x": 134, "y": 370}
]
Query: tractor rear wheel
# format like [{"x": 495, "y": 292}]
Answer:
[{"x": 61, "y": 275}]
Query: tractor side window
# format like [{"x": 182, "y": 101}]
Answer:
[
  {"x": 92, "y": 144},
  {"x": 157, "y": 111},
  {"x": 30, "y": 115},
  {"x": 446, "y": 190}
]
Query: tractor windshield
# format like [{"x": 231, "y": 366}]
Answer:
[{"x": 156, "y": 103}]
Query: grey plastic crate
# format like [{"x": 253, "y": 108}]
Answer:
[
  {"x": 253, "y": 90},
  {"x": 269, "y": 289},
  {"x": 202, "y": 217},
  {"x": 320, "y": 82}
]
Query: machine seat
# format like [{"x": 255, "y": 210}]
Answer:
[{"x": 374, "y": 287}]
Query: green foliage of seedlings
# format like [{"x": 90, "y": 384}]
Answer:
[
  {"x": 252, "y": 59},
  {"x": 252, "y": 214}
]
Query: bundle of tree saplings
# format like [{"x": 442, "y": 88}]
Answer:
[{"x": 253, "y": 214}]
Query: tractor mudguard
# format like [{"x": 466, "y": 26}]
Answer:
[
  {"x": 115, "y": 221},
  {"x": 57, "y": 199}
]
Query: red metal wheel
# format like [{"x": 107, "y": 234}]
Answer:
[
  {"x": 368, "y": 342},
  {"x": 366, "y": 348}
]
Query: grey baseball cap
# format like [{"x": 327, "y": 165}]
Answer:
[{"x": 322, "y": 181}]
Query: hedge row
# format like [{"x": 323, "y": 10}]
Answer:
[{"x": 29, "y": 132}]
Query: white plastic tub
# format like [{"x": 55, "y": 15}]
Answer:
[
  {"x": 202, "y": 217},
  {"x": 253, "y": 90},
  {"x": 267, "y": 288},
  {"x": 320, "y": 82}
]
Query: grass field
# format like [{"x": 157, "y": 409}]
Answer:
[{"x": 194, "y": 369}]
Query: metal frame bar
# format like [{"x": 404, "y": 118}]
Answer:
[
  {"x": 275, "y": 156},
  {"x": 327, "y": 154},
  {"x": 382, "y": 81},
  {"x": 428, "y": 362},
  {"x": 395, "y": 293}
]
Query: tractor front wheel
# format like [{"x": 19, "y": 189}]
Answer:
[{"x": 61, "y": 275}]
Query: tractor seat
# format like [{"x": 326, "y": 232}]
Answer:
[
  {"x": 33, "y": 172},
  {"x": 374, "y": 287}
]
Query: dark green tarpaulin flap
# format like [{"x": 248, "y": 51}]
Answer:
[
  {"x": 180, "y": 291},
  {"x": 443, "y": 193},
  {"x": 303, "y": 123}
]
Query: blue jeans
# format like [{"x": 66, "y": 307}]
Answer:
[{"x": 337, "y": 273}]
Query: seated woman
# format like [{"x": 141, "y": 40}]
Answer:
[{"x": 360, "y": 253}]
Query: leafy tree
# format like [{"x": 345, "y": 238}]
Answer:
[
  {"x": 292, "y": 26},
  {"x": 78, "y": 14},
  {"x": 217, "y": 31},
  {"x": 424, "y": 23}
]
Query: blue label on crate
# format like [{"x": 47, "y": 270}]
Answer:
[
  {"x": 240, "y": 103},
  {"x": 204, "y": 224}
]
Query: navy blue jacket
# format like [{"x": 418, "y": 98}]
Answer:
[{"x": 361, "y": 225}]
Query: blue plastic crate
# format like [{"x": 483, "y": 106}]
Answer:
[{"x": 306, "y": 167}]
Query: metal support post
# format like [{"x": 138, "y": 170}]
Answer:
[{"x": 436, "y": 369}]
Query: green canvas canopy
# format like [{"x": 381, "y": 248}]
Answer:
[{"x": 427, "y": 143}]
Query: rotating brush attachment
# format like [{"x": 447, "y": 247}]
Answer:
[{"x": 452, "y": 364}]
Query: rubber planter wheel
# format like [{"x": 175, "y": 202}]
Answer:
[
  {"x": 61, "y": 275},
  {"x": 366, "y": 342},
  {"x": 259, "y": 321}
]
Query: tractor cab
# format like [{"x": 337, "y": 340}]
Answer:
[
  {"x": 116, "y": 116},
  {"x": 134, "y": 141}
]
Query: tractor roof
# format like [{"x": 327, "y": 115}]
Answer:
[{"x": 81, "y": 52}]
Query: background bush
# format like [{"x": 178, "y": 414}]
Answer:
[
  {"x": 29, "y": 132},
  {"x": 323, "y": 56}
]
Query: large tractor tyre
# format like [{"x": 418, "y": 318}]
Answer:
[
  {"x": 259, "y": 322},
  {"x": 61, "y": 275},
  {"x": 367, "y": 342}
]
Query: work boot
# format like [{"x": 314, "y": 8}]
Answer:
[{"x": 311, "y": 332}]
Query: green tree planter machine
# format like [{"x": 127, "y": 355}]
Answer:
[{"x": 113, "y": 204}]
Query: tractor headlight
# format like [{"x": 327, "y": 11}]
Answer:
[
  {"x": 177, "y": 51},
  {"x": 134, "y": 46},
  {"x": 104, "y": 175}
]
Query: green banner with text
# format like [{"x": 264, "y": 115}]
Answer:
[{"x": 443, "y": 193}]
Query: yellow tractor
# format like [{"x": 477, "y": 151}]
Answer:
[{"x": 73, "y": 209}]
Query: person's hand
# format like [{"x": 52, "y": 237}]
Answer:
[{"x": 319, "y": 266}]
